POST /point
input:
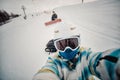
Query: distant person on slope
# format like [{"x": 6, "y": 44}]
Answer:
[
  {"x": 72, "y": 62},
  {"x": 54, "y": 16}
]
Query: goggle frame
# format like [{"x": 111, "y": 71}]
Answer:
[{"x": 75, "y": 36}]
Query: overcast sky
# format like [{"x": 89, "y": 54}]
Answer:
[{"x": 35, "y": 5}]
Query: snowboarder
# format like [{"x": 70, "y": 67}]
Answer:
[
  {"x": 54, "y": 16},
  {"x": 54, "y": 19},
  {"x": 73, "y": 62}
]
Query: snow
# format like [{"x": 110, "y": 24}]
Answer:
[
  {"x": 22, "y": 42},
  {"x": 35, "y": 5},
  {"x": 99, "y": 21}
]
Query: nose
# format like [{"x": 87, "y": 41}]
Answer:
[{"x": 68, "y": 50}]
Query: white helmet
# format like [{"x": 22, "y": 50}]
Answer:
[
  {"x": 65, "y": 30},
  {"x": 67, "y": 40}
]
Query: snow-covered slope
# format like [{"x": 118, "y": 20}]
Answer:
[
  {"x": 98, "y": 22},
  {"x": 22, "y": 42},
  {"x": 31, "y": 6}
]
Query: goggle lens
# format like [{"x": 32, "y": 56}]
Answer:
[{"x": 71, "y": 42}]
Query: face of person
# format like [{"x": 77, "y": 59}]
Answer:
[{"x": 62, "y": 43}]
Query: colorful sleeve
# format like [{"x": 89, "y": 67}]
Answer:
[
  {"x": 105, "y": 65},
  {"x": 47, "y": 72}
]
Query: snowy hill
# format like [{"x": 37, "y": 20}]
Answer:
[
  {"x": 22, "y": 42},
  {"x": 98, "y": 22}
]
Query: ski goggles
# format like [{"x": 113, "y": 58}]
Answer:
[{"x": 72, "y": 42}]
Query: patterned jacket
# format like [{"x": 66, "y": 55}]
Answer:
[{"x": 104, "y": 65}]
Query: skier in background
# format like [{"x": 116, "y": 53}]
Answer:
[
  {"x": 82, "y": 1},
  {"x": 73, "y": 62},
  {"x": 54, "y": 16}
]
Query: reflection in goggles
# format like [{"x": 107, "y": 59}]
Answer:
[{"x": 71, "y": 42}]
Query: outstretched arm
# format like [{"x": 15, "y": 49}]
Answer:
[
  {"x": 47, "y": 72},
  {"x": 105, "y": 65},
  {"x": 45, "y": 76}
]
